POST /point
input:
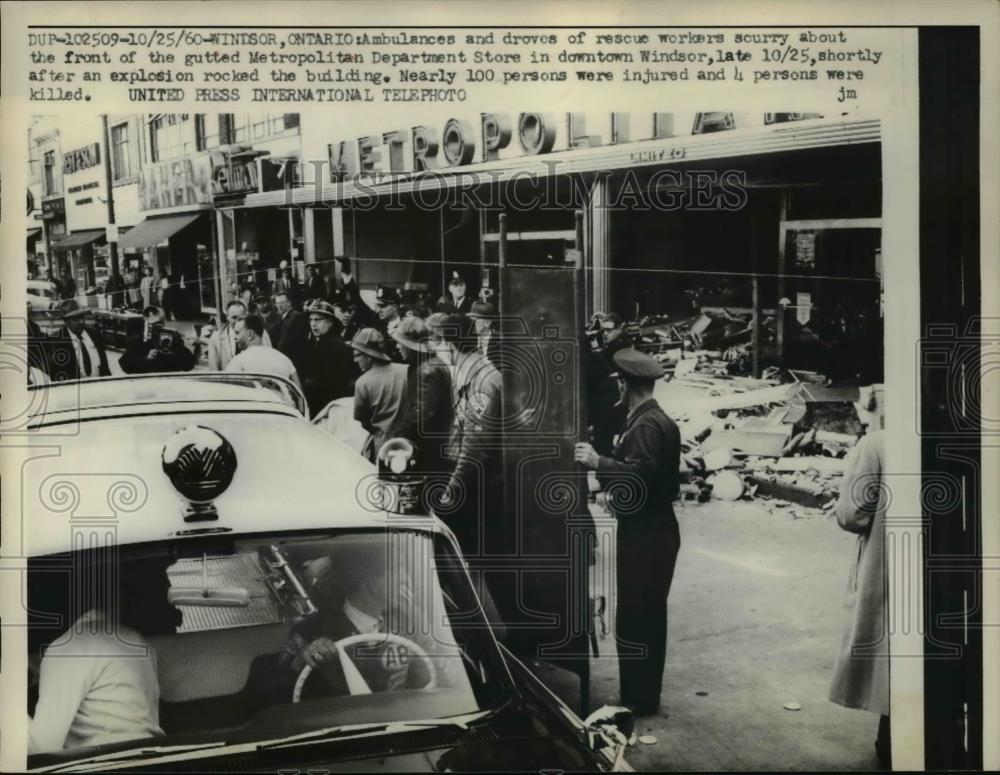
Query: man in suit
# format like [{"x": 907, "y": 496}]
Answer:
[
  {"x": 222, "y": 345},
  {"x": 287, "y": 284},
  {"x": 293, "y": 332},
  {"x": 487, "y": 343},
  {"x": 272, "y": 320},
  {"x": 352, "y": 596},
  {"x": 82, "y": 344},
  {"x": 157, "y": 350}
]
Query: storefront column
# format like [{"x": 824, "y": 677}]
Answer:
[
  {"x": 337, "y": 218},
  {"x": 600, "y": 247},
  {"x": 309, "y": 235},
  {"x": 220, "y": 258}
]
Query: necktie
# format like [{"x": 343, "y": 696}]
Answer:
[{"x": 86, "y": 357}]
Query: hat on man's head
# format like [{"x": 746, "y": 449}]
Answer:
[
  {"x": 456, "y": 278},
  {"x": 412, "y": 333},
  {"x": 482, "y": 309},
  {"x": 321, "y": 307},
  {"x": 259, "y": 297},
  {"x": 386, "y": 295},
  {"x": 633, "y": 364},
  {"x": 70, "y": 308},
  {"x": 370, "y": 342},
  {"x": 343, "y": 300}
]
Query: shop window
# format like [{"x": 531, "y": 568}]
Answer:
[
  {"x": 52, "y": 180},
  {"x": 121, "y": 165},
  {"x": 171, "y": 135},
  {"x": 247, "y": 128},
  {"x": 213, "y": 131}
]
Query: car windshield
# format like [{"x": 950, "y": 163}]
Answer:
[{"x": 228, "y": 640}]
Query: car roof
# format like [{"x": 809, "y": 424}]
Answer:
[{"x": 106, "y": 474}]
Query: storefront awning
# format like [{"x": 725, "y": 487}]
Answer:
[
  {"x": 34, "y": 234},
  {"x": 78, "y": 239},
  {"x": 153, "y": 231}
]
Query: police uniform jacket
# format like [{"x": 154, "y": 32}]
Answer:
[
  {"x": 641, "y": 477},
  {"x": 292, "y": 337}
]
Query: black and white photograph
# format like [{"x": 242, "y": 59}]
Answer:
[{"x": 477, "y": 396}]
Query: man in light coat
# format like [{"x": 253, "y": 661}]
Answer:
[
  {"x": 861, "y": 673},
  {"x": 223, "y": 345}
]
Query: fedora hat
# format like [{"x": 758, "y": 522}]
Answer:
[
  {"x": 412, "y": 333},
  {"x": 321, "y": 307},
  {"x": 70, "y": 308},
  {"x": 370, "y": 342}
]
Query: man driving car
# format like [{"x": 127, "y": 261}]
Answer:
[{"x": 353, "y": 599}]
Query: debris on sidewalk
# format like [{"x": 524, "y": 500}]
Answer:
[{"x": 782, "y": 438}]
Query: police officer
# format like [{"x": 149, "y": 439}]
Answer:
[
  {"x": 641, "y": 480},
  {"x": 458, "y": 301}
]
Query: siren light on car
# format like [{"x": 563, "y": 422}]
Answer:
[
  {"x": 200, "y": 464},
  {"x": 400, "y": 484}
]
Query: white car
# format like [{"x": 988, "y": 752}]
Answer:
[{"x": 216, "y": 584}]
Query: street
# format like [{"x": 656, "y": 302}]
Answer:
[{"x": 755, "y": 617}]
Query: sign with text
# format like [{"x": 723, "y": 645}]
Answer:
[
  {"x": 187, "y": 181},
  {"x": 81, "y": 158}
]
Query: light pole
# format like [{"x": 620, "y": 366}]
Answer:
[{"x": 112, "y": 243}]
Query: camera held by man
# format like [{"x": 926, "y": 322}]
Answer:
[{"x": 159, "y": 349}]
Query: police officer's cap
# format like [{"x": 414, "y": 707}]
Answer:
[
  {"x": 343, "y": 300},
  {"x": 386, "y": 295},
  {"x": 633, "y": 364},
  {"x": 456, "y": 278}
]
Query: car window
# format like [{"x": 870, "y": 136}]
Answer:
[{"x": 229, "y": 640}]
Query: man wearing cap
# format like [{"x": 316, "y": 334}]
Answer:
[
  {"x": 387, "y": 307},
  {"x": 328, "y": 371},
  {"x": 222, "y": 344},
  {"x": 427, "y": 414},
  {"x": 85, "y": 343},
  {"x": 158, "y": 349},
  {"x": 379, "y": 392},
  {"x": 459, "y": 302},
  {"x": 641, "y": 481}
]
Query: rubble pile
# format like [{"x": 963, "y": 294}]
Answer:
[{"x": 781, "y": 439}]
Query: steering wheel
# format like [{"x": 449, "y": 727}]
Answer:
[{"x": 351, "y": 672}]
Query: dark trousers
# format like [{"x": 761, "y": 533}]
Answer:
[{"x": 647, "y": 554}]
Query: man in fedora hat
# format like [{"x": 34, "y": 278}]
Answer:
[
  {"x": 328, "y": 369},
  {"x": 380, "y": 390},
  {"x": 482, "y": 314},
  {"x": 86, "y": 356},
  {"x": 427, "y": 416}
]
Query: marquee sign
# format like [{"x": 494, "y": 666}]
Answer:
[{"x": 81, "y": 158}]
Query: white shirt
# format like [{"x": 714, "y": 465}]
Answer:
[
  {"x": 84, "y": 340},
  {"x": 362, "y": 622},
  {"x": 259, "y": 359},
  {"x": 96, "y": 687}
]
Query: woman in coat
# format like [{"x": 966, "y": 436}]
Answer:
[{"x": 861, "y": 673}]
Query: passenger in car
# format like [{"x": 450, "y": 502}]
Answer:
[{"x": 97, "y": 682}]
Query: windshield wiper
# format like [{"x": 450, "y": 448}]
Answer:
[
  {"x": 130, "y": 754},
  {"x": 349, "y": 731}
]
